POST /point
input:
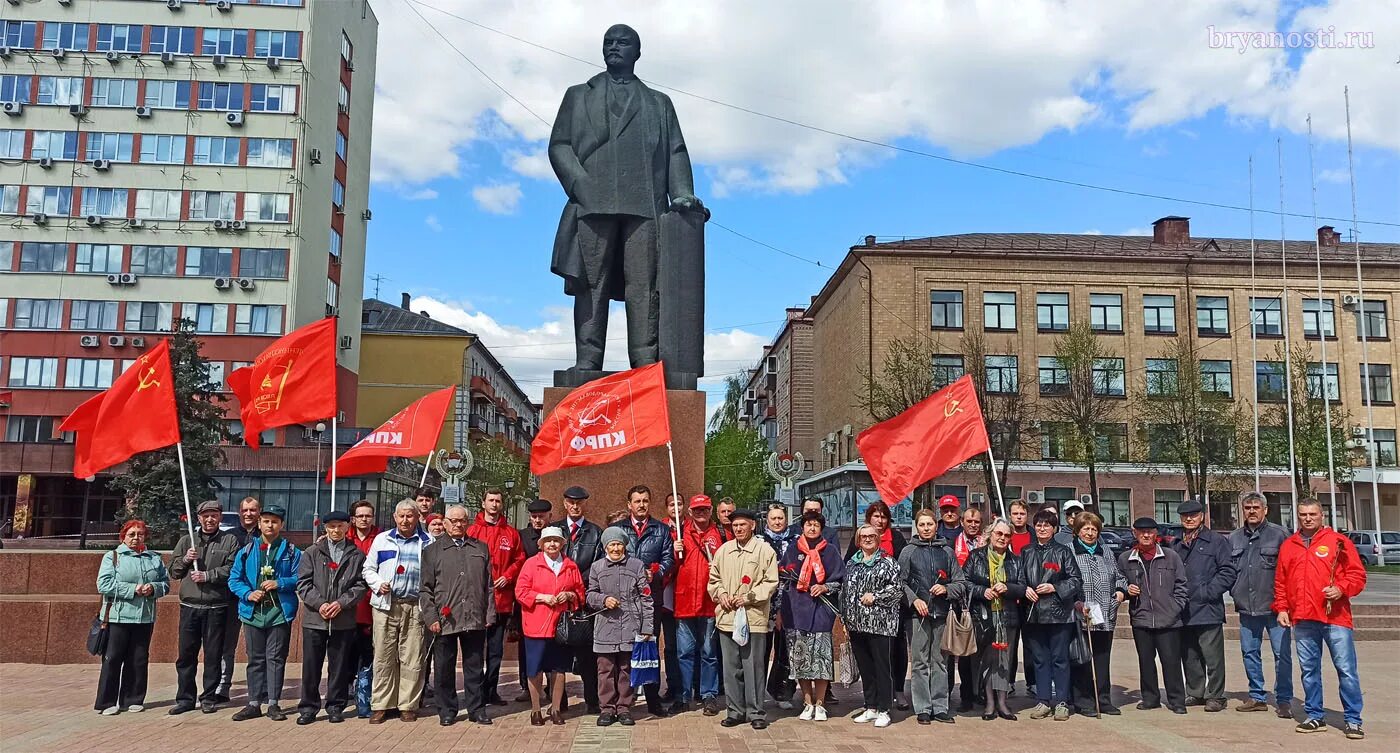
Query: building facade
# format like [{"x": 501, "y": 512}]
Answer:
[{"x": 779, "y": 391}]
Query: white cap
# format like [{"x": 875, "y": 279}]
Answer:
[
  {"x": 552, "y": 532},
  {"x": 1074, "y": 504}
]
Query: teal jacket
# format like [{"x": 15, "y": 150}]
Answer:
[
  {"x": 123, "y": 569},
  {"x": 244, "y": 578}
]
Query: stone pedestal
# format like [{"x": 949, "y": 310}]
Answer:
[{"x": 607, "y": 484}]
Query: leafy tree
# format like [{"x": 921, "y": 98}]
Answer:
[
  {"x": 727, "y": 415},
  {"x": 493, "y": 465},
  {"x": 152, "y": 479},
  {"x": 734, "y": 457},
  {"x": 1006, "y": 408},
  {"x": 1084, "y": 404},
  {"x": 905, "y": 378},
  {"x": 1310, "y": 426}
]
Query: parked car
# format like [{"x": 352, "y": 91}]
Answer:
[
  {"x": 229, "y": 521},
  {"x": 1370, "y": 549},
  {"x": 1114, "y": 541},
  {"x": 1166, "y": 533}
]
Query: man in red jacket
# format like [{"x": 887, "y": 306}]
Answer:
[
  {"x": 1318, "y": 574},
  {"x": 695, "y": 610},
  {"x": 507, "y": 555}
]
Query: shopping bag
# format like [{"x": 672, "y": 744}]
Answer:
[
  {"x": 741, "y": 626},
  {"x": 646, "y": 663}
]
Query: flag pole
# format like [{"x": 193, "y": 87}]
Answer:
[
  {"x": 185, "y": 487},
  {"x": 333, "y": 459},
  {"x": 992, "y": 462},
  {"x": 675, "y": 495},
  {"x": 427, "y": 463}
]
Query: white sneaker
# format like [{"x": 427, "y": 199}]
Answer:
[
  {"x": 867, "y": 715},
  {"x": 111, "y": 711},
  {"x": 136, "y": 708},
  {"x": 806, "y": 714},
  {"x": 882, "y": 719},
  {"x": 786, "y": 705},
  {"x": 819, "y": 713}
]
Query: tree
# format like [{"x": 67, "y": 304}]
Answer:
[
  {"x": 1310, "y": 426},
  {"x": 1004, "y": 396},
  {"x": 1090, "y": 378},
  {"x": 727, "y": 415},
  {"x": 152, "y": 479},
  {"x": 493, "y": 464},
  {"x": 906, "y": 377},
  {"x": 734, "y": 457}
]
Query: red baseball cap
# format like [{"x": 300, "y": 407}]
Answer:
[
  {"x": 948, "y": 500},
  {"x": 700, "y": 500}
]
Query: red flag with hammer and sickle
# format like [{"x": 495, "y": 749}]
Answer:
[
  {"x": 604, "y": 420},
  {"x": 136, "y": 414},
  {"x": 292, "y": 382},
  {"x": 410, "y": 433},
  {"x": 922, "y": 443}
]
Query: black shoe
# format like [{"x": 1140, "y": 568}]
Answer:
[
  {"x": 592, "y": 708},
  {"x": 759, "y": 724},
  {"x": 479, "y": 717},
  {"x": 988, "y": 717},
  {"x": 1353, "y": 732},
  {"x": 447, "y": 721},
  {"x": 607, "y": 720},
  {"x": 678, "y": 707},
  {"x": 219, "y": 698},
  {"x": 924, "y": 718},
  {"x": 496, "y": 700},
  {"x": 181, "y": 708},
  {"x": 275, "y": 713},
  {"x": 1194, "y": 701},
  {"x": 625, "y": 719},
  {"x": 305, "y": 717},
  {"x": 1007, "y": 717},
  {"x": 710, "y": 706},
  {"x": 335, "y": 716},
  {"x": 943, "y": 718},
  {"x": 657, "y": 710},
  {"x": 1178, "y": 709},
  {"x": 208, "y": 707},
  {"x": 1145, "y": 706},
  {"x": 1109, "y": 710},
  {"x": 251, "y": 711},
  {"x": 1088, "y": 713},
  {"x": 1311, "y": 725},
  {"x": 730, "y": 721}
]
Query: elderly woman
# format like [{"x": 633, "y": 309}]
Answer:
[
  {"x": 932, "y": 580},
  {"x": 619, "y": 591},
  {"x": 870, "y": 599},
  {"x": 996, "y": 582},
  {"x": 892, "y": 543},
  {"x": 1104, "y": 589},
  {"x": 780, "y": 536},
  {"x": 811, "y": 571},
  {"x": 437, "y": 528},
  {"x": 130, "y": 580},
  {"x": 1053, "y": 586},
  {"x": 549, "y": 585}
]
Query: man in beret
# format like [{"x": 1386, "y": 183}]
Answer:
[
  {"x": 330, "y": 584},
  {"x": 540, "y": 513},
  {"x": 584, "y": 545},
  {"x": 1156, "y": 597},
  {"x": 202, "y": 570},
  {"x": 1210, "y": 573}
]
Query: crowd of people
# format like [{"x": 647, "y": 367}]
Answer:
[{"x": 747, "y": 607}]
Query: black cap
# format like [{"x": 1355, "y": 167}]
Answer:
[
  {"x": 1189, "y": 507},
  {"x": 576, "y": 492},
  {"x": 336, "y": 516},
  {"x": 1146, "y": 524},
  {"x": 278, "y": 512},
  {"x": 744, "y": 513},
  {"x": 539, "y": 506}
]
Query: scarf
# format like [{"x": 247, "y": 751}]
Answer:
[
  {"x": 811, "y": 563},
  {"x": 1146, "y": 552},
  {"x": 859, "y": 557},
  {"x": 1090, "y": 548},
  {"x": 1189, "y": 537},
  {"x": 887, "y": 541},
  {"x": 996, "y": 573}
]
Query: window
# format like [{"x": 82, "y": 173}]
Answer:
[
  {"x": 11, "y": 144},
  {"x": 33, "y": 372},
  {"x": 267, "y": 207},
  {"x": 65, "y": 36},
  {"x": 338, "y": 201},
  {"x": 946, "y": 370},
  {"x": 1383, "y": 445},
  {"x": 216, "y": 150},
  {"x": 217, "y": 96},
  {"x": 1268, "y": 380},
  {"x": 333, "y": 300},
  {"x": 1111, "y": 443},
  {"x": 154, "y": 204},
  {"x": 1375, "y": 384},
  {"x": 1054, "y": 440},
  {"x": 55, "y": 200},
  {"x": 98, "y": 258},
  {"x": 1212, "y": 315},
  {"x": 88, "y": 373},
  {"x": 263, "y": 263},
  {"x": 225, "y": 42},
  {"x": 93, "y": 315},
  {"x": 335, "y": 244},
  {"x": 154, "y": 260},
  {"x": 1106, "y": 312},
  {"x": 1216, "y": 378},
  {"x": 7, "y": 260},
  {"x": 1318, "y": 318},
  {"x": 1372, "y": 317},
  {"x": 1054, "y": 378},
  {"x": 43, "y": 257},
  {"x": 9, "y": 199},
  {"x": 258, "y": 320},
  {"x": 119, "y": 37},
  {"x": 114, "y": 92},
  {"x": 214, "y": 376},
  {"x": 1052, "y": 312},
  {"x": 208, "y": 318},
  {"x": 1267, "y": 315},
  {"x": 946, "y": 309},
  {"x": 1002, "y": 376},
  {"x": 147, "y": 316},
  {"x": 168, "y": 95},
  {"x": 38, "y": 313},
  {"x": 1320, "y": 378},
  {"x": 208, "y": 262},
  {"x": 60, "y": 90},
  {"x": 1165, "y": 501},
  {"x": 32, "y": 429},
  {"x": 177, "y": 39},
  {"x": 1108, "y": 377},
  {"x": 1115, "y": 506},
  {"x": 109, "y": 146},
  {"x": 1159, "y": 314},
  {"x": 273, "y": 98},
  {"x": 162, "y": 150},
  {"x": 347, "y": 50},
  {"x": 20, "y": 34},
  {"x": 277, "y": 44},
  {"x": 340, "y": 145},
  {"x": 1058, "y": 495},
  {"x": 212, "y": 205},
  {"x": 104, "y": 202},
  {"x": 1161, "y": 376},
  {"x": 55, "y": 145},
  {"x": 270, "y": 152},
  {"x": 342, "y": 99}
]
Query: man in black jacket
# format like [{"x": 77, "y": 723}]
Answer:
[
  {"x": 584, "y": 547},
  {"x": 330, "y": 585},
  {"x": 1210, "y": 573},
  {"x": 1156, "y": 597},
  {"x": 202, "y": 570}
]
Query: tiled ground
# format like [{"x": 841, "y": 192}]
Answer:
[{"x": 49, "y": 708}]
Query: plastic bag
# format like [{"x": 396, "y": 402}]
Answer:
[{"x": 741, "y": 626}]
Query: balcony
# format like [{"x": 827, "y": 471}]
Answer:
[{"x": 480, "y": 386}]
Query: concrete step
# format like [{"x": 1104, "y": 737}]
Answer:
[{"x": 1232, "y": 633}]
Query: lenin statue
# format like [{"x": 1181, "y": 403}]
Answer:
[{"x": 619, "y": 154}]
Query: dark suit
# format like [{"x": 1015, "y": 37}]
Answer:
[
  {"x": 618, "y": 151},
  {"x": 585, "y": 547}
]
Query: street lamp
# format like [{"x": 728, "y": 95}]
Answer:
[
  {"x": 87, "y": 490},
  {"x": 719, "y": 487}
]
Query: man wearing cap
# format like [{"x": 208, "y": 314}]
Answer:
[
  {"x": 650, "y": 541},
  {"x": 1156, "y": 597},
  {"x": 950, "y": 520},
  {"x": 696, "y": 648},
  {"x": 539, "y": 510},
  {"x": 457, "y": 601},
  {"x": 1066, "y": 533},
  {"x": 1255, "y": 547},
  {"x": 1210, "y": 573},
  {"x": 330, "y": 583},
  {"x": 203, "y": 571},
  {"x": 744, "y": 575},
  {"x": 507, "y": 556},
  {"x": 264, "y": 578},
  {"x": 583, "y": 545},
  {"x": 393, "y": 572}
]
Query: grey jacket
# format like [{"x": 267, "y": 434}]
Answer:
[
  {"x": 319, "y": 583},
  {"x": 215, "y": 559},
  {"x": 1255, "y": 554},
  {"x": 626, "y": 580},
  {"x": 459, "y": 579},
  {"x": 1163, "y": 583}
]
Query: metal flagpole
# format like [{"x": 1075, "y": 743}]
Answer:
[
  {"x": 333, "y": 459},
  {"x": 1287, "y": 343},
  {"x": 1322, "y": 337},
  {"x": 427, "y": 463},
  {"x": 316, "y": 521},
  {"x": 1253, "y": 333},
  {"x": 675, "y": 495},
  {"x": 185, "y": 487},
  {"x": 991, "y": 461}
]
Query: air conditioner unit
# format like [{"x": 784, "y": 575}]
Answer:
[
  {"x": 114, "y": 279},
  {"x": 89, "y": 341},
  {"x": 346, "y": 341},
  {"x": 65, "y": 2},
  {"x": 116, "y": 341},
  {"x": 220, "y": 61},
  {"x": 340, "y": 210},
  {"x": 13, "y": 108},
  {"x": 102, "y": 164},
  {"x": 114, "y": 57},
  {"x": 1358, "y": 432},
  {"x": 6, "y": 51},
  {"x": 167, "y": 58},
  {"x": 143, "y": 112},
  {"x": 350, "y": 66},
  {"x": 847, "y": 429},
  {"x": 40, "y": 218},
  {"x": 274, "y": 63},
  {"x": 314, "y": 156},
  {"x": 366, "y": 215},
  {"x": 1035, "y": 497},
  {"x": 1349, "y": 301},
  {"x": 221, "y": 224},
  {"x": 174, "y": 4},
  {"x": 135, "y": 223},
  {"x": 223, "y": 283},
  {"x": 237, "y": 225},
  {"x": 342, "y": 107},
  {"x": 340, "y": 416},
  {"x": 58, "y": 53},
  {"x": 77, "y": 111},
  {"x": 46, "y": 163},
  {"x": 138, "y": 342},
  {"x": 831, "y": 438},
  {"x": 234, "y": 119},
  {"x": 128, "y": 278},
  {"x": 247, "y": 283},
  {"x": 978, "y": 499},
  {"x": 1087, "y": 500},
  {"x": 95, "y": 220},
  {"x": 223, "y": 6}
]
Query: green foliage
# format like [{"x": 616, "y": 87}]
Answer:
[
  {"x": 727, "y": 416},
  {"x": 1310, "y": 427},
  {"x": 494, "y": 465},
  {"x": 1082, "y": 408},
  {"x": 734, "y": 457}
]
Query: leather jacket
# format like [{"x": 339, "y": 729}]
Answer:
[
  {"x": 979, "y": 579},
  {"x": 1052, "y": 563}
]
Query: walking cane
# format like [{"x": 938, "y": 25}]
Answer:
[{"x": 1093, "y": 669}]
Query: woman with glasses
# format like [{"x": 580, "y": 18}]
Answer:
[
  {"x": 1053, "y": 585},
  {"x": 870, "y": 599},
  {"x": 892, "y": 543},
  {"x": 997, "y": 583},
  {"x": 130, "y": 581}
]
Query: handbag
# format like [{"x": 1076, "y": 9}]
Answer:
[
  {"x": 1079, "y": 647},
  {"x": 845, "y": 671},
  {"x": 97, "y": 633},
  {"x": 959, "y": 639},
  {"x": 574, "y": 630}
]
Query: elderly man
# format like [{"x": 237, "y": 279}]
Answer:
[
  {"x": 1156, "y": 598},
  {"x": 744, "y": 575},
  {"x": 393, "y": 572},
  {"x": 584, "y": 547},
  {"x": 724, "y": 510},
  {"x": 203, "y": 572},
  {"x": 330, "y": 583},
  {"x": 458, "y": 599},
  {"x": 249, "y": 512},
  {"x": 507, "y": 556},
  {"x": 651, "y": 541},
  {"x": 1210, "y": 573},
  {"x": 949, "y": 518},
  {"x": 1255, "y": 547}
]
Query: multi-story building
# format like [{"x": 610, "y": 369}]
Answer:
[
  {"x": 1020, "y": 292},
  {"x": 167, "y": 160},
  {"x": 779, "y": 392}
]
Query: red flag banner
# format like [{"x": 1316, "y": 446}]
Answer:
[
  {"x": 412, "y": 432},
  {"x": 922, "y": 443},
  {"x": 292, "y": 382},
  {"x": 136, "y": 414},
  {"x": 604, "y": 420}
]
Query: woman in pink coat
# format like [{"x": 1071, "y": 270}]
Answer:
[{"x": 549, "y": 585}]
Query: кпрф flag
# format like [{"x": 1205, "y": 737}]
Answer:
[
  {"x": 604, "y": 420},
  {"x": 412, "y": 432},
  {"x": 922, "y": 443},
  {"x": 136, "y": 414},
  {"x": 292, "y": 382}
]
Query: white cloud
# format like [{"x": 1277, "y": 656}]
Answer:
[
  {"x": 1145, "y": 230},
  {"x": 532, "y": 164},
  {"x": 422, "y": 194},
  {"x": 1338, "y": 175},
  {"x": 433, "y": 224},
  {"x": 498, "y": 198}
]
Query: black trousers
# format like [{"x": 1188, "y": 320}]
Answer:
[
  {"x": 1081, "y": 676},
  {"x": 899, "y": 655},
  {"x": 473, "y": 646},
  {"x": 495, "y": 652},
  {"x": 1163, "y": 645},
  {"x": 336, "y": 648},
  {"x": 970, "y": 673},
  {"x": 199, "y": 629},
  {"x": 123, "y": 679},
  {"x": 780, "y": 684},
  {"x": 1203, "y": 660},
  {"x": 586, "y": 667},
  {"x": 873, "y": 658}
]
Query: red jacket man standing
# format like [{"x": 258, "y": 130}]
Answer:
[
  {"x": 507, "y": 556},
  {"x": 695, "y": 610}
]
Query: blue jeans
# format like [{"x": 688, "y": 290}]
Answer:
[
  {"x": 695, "y": 643},
  {"x": 1252, "y": 630},
  {"x": 1311, "y": 635},
  {"x": 1049, "y": 645}
]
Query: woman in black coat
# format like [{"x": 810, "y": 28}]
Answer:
[
  {"x": 1053, "y": 585},
  {"x": 892, "y": 542},
  {"x": 997, "y": 584}
]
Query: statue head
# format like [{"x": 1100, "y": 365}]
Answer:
[{"x": 621, "y": 47}]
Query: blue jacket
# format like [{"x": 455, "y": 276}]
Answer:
[
  {"x": 1210, "y": 574},
  {"x": 244, "y": 578},
  {"x": 802, "y": 611},
  {"x": 654, "y": 547}
]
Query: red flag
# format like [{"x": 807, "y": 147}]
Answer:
[
  {"x": 292, "y": 382},
  {"x": 412, "y": 432},
  {"x": 136, "y": 414},
  {"x": 922, "y": 443},
  {"x": 604, "y": 420}
]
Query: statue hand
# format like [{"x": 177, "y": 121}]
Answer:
[{"x": 686, "y": 204}]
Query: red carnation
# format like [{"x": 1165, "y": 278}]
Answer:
[
  {"x": 745, "y": 580},
  {"x": 400, "y": 571},
  {"x": 646, "y": 590},
  {"x": 333, "y": 565},
  {"x": 1052, "y": 567},
  {"x": 446, "y": 611},
  {"x": 263, "y": 546},
  {"x": 999, "y": 646},
  {"x": 655, "y": 568},
  {"x": 942, "y": 574}
]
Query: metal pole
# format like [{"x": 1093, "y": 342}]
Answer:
[
  {"x": 317, "y": 519},
  {"x": 185, "y": 486},
  {"x": 991, "y": 461},
  {"x": 675, "y": 494},
  {"x": 1322, "y": 339},
  {"x": 333, "y": 459},
  {"x": 87, "y": 490},
  {"x": 1287, "y": 343},
  {"x": 427, "y": 463},
  {"x": 1253, "y": 334}
]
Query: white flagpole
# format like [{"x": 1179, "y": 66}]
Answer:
[
  {"x": 1253, "y": 334},
  {"x": 675, "y": 495},
  {"x": 185, "y": 486},
  {"x": 1322, "y": 337},
  {"x": 427, "y": 463},
  {"x": 333, "y": 460},
  {"x": 991, "y": 461},
  {"x": 1287, "y": 342}
]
